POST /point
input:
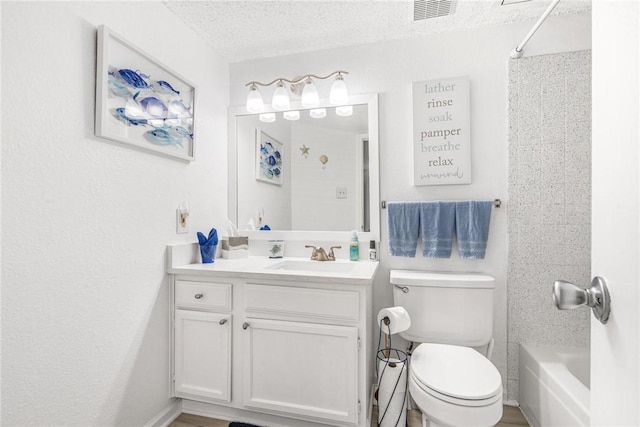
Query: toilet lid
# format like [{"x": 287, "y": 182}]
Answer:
[{"x": 459, "y": 372}]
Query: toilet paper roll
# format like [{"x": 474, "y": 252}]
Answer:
[
  {"x": 399, "y": 320},
  {"x": 392, "y": 393}
]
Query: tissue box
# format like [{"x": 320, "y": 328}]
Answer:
[{"x": 235, "y": 247}]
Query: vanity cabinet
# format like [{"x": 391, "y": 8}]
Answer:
[
  {"x": 302, "y": 368},
  {"x": 301, "y": 351},
  {"x": 273, "y": 349},
  {"x": 202, "y": 341},
  {"x": 202, "y": 355}
]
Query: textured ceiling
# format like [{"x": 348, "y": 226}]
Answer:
[{"x": 243, "y": 29}]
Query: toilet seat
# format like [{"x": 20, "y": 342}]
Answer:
[{"x": 455, "y": 374}]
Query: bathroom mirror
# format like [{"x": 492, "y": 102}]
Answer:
[{"x": 306, "y": 175}]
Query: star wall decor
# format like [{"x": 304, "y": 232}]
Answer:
[{"x": 305, "y": 151}]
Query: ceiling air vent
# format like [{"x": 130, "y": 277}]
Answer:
[{"x": 426, "y": 9}]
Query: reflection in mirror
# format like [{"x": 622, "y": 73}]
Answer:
[{"x": 309, "y": 174}]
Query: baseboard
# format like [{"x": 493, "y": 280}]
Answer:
[
  {"x": 167, "y": 415},
  {"x": 511, "y": 403}
]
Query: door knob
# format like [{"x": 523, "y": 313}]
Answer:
[{"x": 568, "y": 296}]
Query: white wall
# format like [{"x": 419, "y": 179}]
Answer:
[
  {"x": 313, "y": 190},
  {"x": 85, "y": 300},
  {"x": 274, "y": 201},
  {"x": 389, "y": 69}
]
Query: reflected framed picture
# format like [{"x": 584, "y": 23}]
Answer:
[
  {"x": 140, "y": 102},
  {"x": 269, "y": 158}
]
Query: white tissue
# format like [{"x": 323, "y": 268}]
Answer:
[
  {"x": 399, "y": 320},
  {"x": 391, "y": 397},
  {"x": 251, "y": 225},
  {"x": 232, "y": 231}
]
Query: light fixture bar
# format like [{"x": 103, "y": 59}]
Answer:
[
  {"x": 309, "y": 98},
  {"x": 298, "y": 80}
]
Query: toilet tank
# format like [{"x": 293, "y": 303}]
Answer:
[{"x": 447, "y": 308}]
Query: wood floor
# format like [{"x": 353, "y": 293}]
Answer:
[{"x": 511, "y": 417}]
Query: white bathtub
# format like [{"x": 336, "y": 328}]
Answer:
[{"x": 554, "y": 386}]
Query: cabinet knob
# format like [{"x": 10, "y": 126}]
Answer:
[
  {"x": 223, "y": 321},
  {"x": 198, "y": 296},
  {"x": 245, "y": 325}
]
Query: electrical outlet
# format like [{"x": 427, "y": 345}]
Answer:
[
  {"x": 341, "y": 192},
  {"x": 182, "y": 221}
]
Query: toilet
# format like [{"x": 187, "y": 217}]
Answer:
[{"x": 451, "y": 382}]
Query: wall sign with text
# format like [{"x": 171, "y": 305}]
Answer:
[{"x": 441, "y": 132}]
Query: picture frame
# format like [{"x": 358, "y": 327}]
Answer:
[
  {"x": 140, "y": 102},
  {"x": 269, "y": 159}
]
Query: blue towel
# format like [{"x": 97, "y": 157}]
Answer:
[
  {"x": 404, "y": 228},
  {"x": 208, "y": 246},
  {"x": 437, "y": 221},
  {"x": 472, "y": 228}
]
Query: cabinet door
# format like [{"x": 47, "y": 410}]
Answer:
[
  {"x": 202, "y": 355},
  {"x": 303, "y": 369}
]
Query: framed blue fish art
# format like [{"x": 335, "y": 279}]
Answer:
[
  {"x": 269, "y": 159},
  {"x": 140, "y": 102}
]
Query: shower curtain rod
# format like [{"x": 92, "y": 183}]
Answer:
[{"x": 517, "y": 52}]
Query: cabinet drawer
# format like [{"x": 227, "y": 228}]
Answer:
[
  {"x": 206, "y": 296},
  {"x": 303, "y": 302}
]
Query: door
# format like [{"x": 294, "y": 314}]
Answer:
[
  {"x": 202, "y": 356},
  {"x": 301, "y": 369},
  {"x": 615, "y": 352}
]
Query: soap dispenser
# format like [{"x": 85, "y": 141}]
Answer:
[
  {"x": 354, "y": 249},
  {"x": 373, "y": 252}
]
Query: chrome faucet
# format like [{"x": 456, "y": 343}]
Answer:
[{"x": 319, "y": 254}]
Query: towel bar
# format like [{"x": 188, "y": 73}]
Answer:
[{"x": 496, "y": 203}]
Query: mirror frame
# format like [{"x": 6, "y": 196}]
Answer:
[{"x": 371, "y": 100}]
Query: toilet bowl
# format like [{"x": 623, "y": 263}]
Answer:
[{"x": 454, "y": 386}]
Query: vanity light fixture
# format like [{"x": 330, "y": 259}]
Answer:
[
  {"x": 291, "y": 115},
  {"x": 255, "y": 104},
  {"x": 339, "y": 94},
  {"x": 309, "y": 97},
  {"x": 318, "y": 113},
  {"x": 280, "y": 98},
  {"x": 344, "y": 110},
  {"x": 268, "y": 117}
]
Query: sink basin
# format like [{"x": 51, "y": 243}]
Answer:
[{"x": 313, "y": 266}]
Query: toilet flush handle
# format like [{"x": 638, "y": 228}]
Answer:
[{"x": 404, "y": 289}]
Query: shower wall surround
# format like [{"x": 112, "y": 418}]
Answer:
[{"x": 550, "y": 200}]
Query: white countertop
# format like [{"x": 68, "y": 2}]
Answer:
[{"x": 255, "y": 267}]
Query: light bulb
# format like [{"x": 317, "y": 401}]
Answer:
[
  {"x": 338, "y": 94},
  {"x": 310, "y": 96},
  {"x": 255, "y": 104},
  {"x": 280, "y": 97},
  {"x": 318, "y": 113},
  {"x": 291, "y": 115},
  {"x": 344, "y": 111},
  {"x": 268, "y": 117}
]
